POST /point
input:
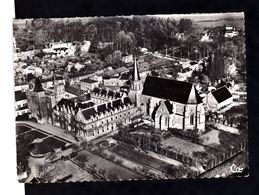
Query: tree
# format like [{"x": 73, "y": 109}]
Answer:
[
  {"x": 216, "y": 66},
  {"x": 113, "y": 177},
  {"x": 114, "y": 59},
  {"x": 185, "y": 25}
]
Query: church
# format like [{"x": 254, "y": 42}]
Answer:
[{"x": 170, "y": 103}]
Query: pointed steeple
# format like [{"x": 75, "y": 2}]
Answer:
[{"x": 135, "y": 71}]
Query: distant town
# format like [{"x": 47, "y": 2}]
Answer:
[{"x": 122, "y": 98}]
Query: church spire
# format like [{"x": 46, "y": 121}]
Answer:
[{"x": 135, "y": 71}]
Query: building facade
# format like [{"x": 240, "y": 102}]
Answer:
[
  {"x": 21, "y": 103},
  {"x": 104, "y": 118},
  {"x": 88, "y": 84}
]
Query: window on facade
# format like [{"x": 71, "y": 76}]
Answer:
[{"x": 192, "y": 119}]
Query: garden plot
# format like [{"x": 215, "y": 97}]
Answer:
[
  {"x": 109, "y": 167},
  {"x": 47, "y": 145},
  {"x": 182, "y": 146}
]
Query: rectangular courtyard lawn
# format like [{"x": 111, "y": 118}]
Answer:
[
  {"x": 29, "y": 136},
  {"x": 47, "y": 145}
]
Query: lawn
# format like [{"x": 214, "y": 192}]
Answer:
[
  {"x": 109, "y": 167},
  {"x": 47, "y": 145},
  {"x": 182, "y": 146},
  {"x": 30, "y": 136},
  {"x": 139, "y": 157}
]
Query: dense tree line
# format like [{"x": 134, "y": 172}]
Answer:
[{"x": 125, "y": 33}]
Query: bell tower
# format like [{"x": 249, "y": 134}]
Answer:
[{"x": 136, "y": 85}]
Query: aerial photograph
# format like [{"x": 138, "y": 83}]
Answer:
[{"x": 138, "y": 97}]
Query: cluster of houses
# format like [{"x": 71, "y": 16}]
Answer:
[{"x": 91, "y": 107}]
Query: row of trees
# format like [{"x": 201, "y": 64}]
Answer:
[{"x": 125, "y": 33}]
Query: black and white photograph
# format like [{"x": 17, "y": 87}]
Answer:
[{"x": 134, "y": 97}]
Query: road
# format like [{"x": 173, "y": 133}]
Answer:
[{"x": 58, "y": 132}]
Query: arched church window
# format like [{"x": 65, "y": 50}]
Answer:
[{"x": 191, "y": 119}]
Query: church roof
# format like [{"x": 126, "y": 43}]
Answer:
[
  {"x": 168, "y": 89},
  {"x": 221, "y": 94}
]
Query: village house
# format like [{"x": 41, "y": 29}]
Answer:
[
  {"x": 21, "y": 104},
  {"x": 218, "y": 99},
  {"x": 127, "y": 59},
  {"x": 116, "y": 77},
  {"x": 37, "y": 71},
  {"x": 88, "y": 84},
  {"x": 72, "y": 91}
]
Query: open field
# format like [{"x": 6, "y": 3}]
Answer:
[{"x": 238, "y": 23}]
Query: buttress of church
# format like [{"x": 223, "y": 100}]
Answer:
[{"x": 136, "y": 85}]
